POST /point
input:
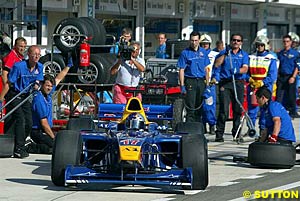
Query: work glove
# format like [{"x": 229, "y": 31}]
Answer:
[
  {"x": 251, "y": 81},
  {"x": 70, "y": 60},
  {"x": 227, "y": 49},
  {"x": 257, "y": 84},
  {"x": 182, "y": 90},
  {"x": 273, "y": 138},
  {"x": 213, "y": 81}
]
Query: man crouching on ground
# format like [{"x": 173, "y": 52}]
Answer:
[{"x": 279, "y": 127}]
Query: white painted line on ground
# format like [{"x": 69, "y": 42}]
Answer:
[
  {"x": 253, "y": 177},
  {"x": 280, "y": 170},
  {"x": 228, "y": 183},
  {"x": 193, "y": 192}
]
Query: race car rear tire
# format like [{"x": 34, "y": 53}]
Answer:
[
  {"x": 57, "y": 65},
  {"x": 271, "y": 155},
  {"x": 6, "y": 145},
  {"x": 190, "y": 127},
  {"x": 78, "y": 124},
  {"x": 194, "y": 155},
  {"x": 66, "y": 151}
]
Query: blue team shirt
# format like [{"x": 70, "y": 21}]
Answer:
[
  {"x": 238, "y": 60},
  {"x": 275, "y": 109},
  {"x": 216, "y": 49},
  {"x": 20, "y": 75},
  {"x": 161, "y": 52},
  {"x": 42, "y": 108},
  {"x": 288, "y": 61},
  {"x": 193, "y": 62}
]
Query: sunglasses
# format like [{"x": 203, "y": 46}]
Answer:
[
  {"x": 260, "y": 45},
  {"x": 236, "y": 40}
]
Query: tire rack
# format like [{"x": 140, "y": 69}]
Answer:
[{"x": 76, "y": 86}]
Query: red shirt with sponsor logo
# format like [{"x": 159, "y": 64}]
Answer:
[{"x": 10, "y": 59}]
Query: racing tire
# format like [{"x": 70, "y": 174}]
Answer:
[
  {"x": 98, "y": 34},
  {"x": 271, "y": 155},
  {"x": 78, "y": 124},
  {"x": 66, "y": 151},
  {"x": 92, "y": 30},
  {"x": 178, "y": 112},
  {"x": 194, "y": 128},
  {"x": 96, "y": 72},
  {"x": 110, "y": 61},
  {"x": 7, "y": 143},
  {"x": 56, "y": 67},
  {"x": 194, "y": 155},
  {"x": 66, "y": 27}
]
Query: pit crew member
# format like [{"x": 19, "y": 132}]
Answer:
[
  {"x": 192, "y": 64},
  {"x": 262, "y": 72},
  {"x": 278, "y": 122}
]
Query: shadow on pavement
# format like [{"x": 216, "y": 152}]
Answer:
[{"x": 43, "y": 167}]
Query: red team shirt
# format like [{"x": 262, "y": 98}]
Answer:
[{"x": 10, "y": 59}]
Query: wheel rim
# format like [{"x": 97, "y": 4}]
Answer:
[
  {"x": 88, "y": 74},
  {"x": 183, "y": 115},
  {"x": 53, "y": 69},
  {"x": 70, "y": 40}
]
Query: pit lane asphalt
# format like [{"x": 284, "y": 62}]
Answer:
[{"x": 29, "y": 178}]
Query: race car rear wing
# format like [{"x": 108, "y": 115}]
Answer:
[{"x": 110, "y": 111}]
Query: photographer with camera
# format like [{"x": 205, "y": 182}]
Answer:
[
  {"x": 128, "y": 71},
  {"x": 125, "y": 39}
]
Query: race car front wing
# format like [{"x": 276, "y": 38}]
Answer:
[{"x": 85, "y": 175}]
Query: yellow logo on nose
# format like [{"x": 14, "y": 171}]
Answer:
[{"x": 130, "y": 153}]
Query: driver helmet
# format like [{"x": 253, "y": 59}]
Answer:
[
  {"x": 135, "y": 121},
  {"x": 261, "y": 39},
  {"x": 294, "y": 36},
  {"x": 204, "y": 38}
]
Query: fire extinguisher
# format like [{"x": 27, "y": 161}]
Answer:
[{"x": 84, "y": 57}]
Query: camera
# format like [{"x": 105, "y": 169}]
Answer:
[{"x": 125, "y": 49}]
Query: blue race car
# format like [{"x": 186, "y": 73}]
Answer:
[{"x": 130, "y": 151}]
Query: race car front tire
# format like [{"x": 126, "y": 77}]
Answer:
[
  {"x": 271, "y": 155},
  {"x": 194, "y": 155},
  {"x": 66, "y": 151},
  {"x": 6, "y": 145}
]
